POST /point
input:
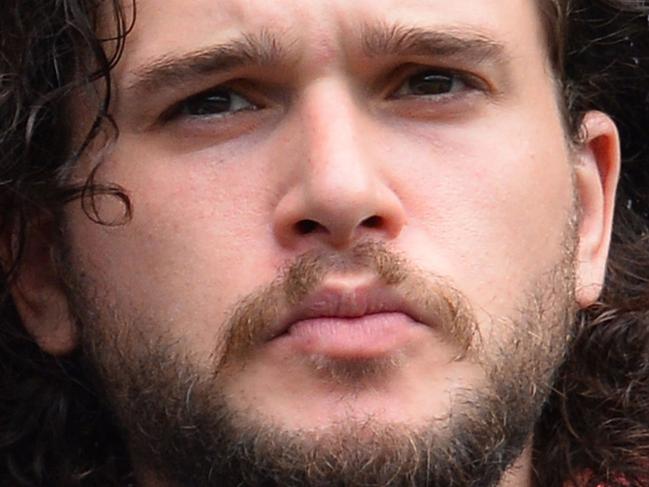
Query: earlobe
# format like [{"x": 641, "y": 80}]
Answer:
[
  {"x": 597, "y": 170},
  {"x": 39, "y": 297}
]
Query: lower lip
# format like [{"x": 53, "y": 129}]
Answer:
[{"x": 364, "y": 337}]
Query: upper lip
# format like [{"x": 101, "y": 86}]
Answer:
[{"x": 350, "y": 302}]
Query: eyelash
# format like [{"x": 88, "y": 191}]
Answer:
[
  {"x": 231, "y": 95},
  {"x": 467, "y": 81}
]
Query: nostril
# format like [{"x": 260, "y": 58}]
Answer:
[
  {"x": 373, "y": 222},
  {"x": 304, "y": 227}
]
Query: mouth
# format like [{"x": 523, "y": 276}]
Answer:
[{"x": 351, "y": 323}]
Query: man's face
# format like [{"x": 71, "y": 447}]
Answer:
[{"x": 354, "y": 223}]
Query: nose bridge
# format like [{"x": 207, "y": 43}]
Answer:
[
  {"x": 339, "y": 193},
  {"x": 337, "y": 169}
]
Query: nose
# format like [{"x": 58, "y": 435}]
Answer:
[{"x": 340, "y": 190}]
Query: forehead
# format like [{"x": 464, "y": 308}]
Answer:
[{"x": 321, "y": 29}]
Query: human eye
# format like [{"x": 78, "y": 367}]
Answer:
[
  {"x": 216, "y": 103},
  {"x": 435, "y": 84}
]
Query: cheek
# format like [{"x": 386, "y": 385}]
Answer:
[
  {"x": 488, "y": 207},
  {"x": 482, "y": 206},
  {"x": 196, "y": 233}
]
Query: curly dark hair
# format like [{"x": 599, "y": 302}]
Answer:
[{"x": 55, "y": 430}]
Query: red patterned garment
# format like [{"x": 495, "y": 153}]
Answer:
[{"x": 582, "y": 481}]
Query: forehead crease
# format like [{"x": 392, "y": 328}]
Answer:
[{"x": 292, "y": 36}]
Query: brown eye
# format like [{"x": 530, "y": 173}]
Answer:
[
  {"x": 218, "y": 102},
  {"x": 431, "y": 83}
]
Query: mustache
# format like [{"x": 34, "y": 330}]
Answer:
[{"x": 250, "y": 319}]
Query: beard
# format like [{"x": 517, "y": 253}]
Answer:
[{"x": 180, "y": 426}]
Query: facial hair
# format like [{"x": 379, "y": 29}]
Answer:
[{"x": 177, "y": 421}]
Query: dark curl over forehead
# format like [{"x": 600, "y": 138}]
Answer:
[{"x": 54, "y": 429}]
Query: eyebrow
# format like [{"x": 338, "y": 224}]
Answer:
[
  {"x": 383, "y": 40},
  {"x": 267, "y": 49},
  {"x": 263, "y": 49}
]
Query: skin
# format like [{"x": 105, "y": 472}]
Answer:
[{"x": 476, "y": 186}]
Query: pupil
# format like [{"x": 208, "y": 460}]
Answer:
[
  {"x": 210, "y": 104},
  {"x": 431, "y": 84}
]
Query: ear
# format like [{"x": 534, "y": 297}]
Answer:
[
  {"x": 597, "y": 173},
  {"x": 39, "y": 296}
]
